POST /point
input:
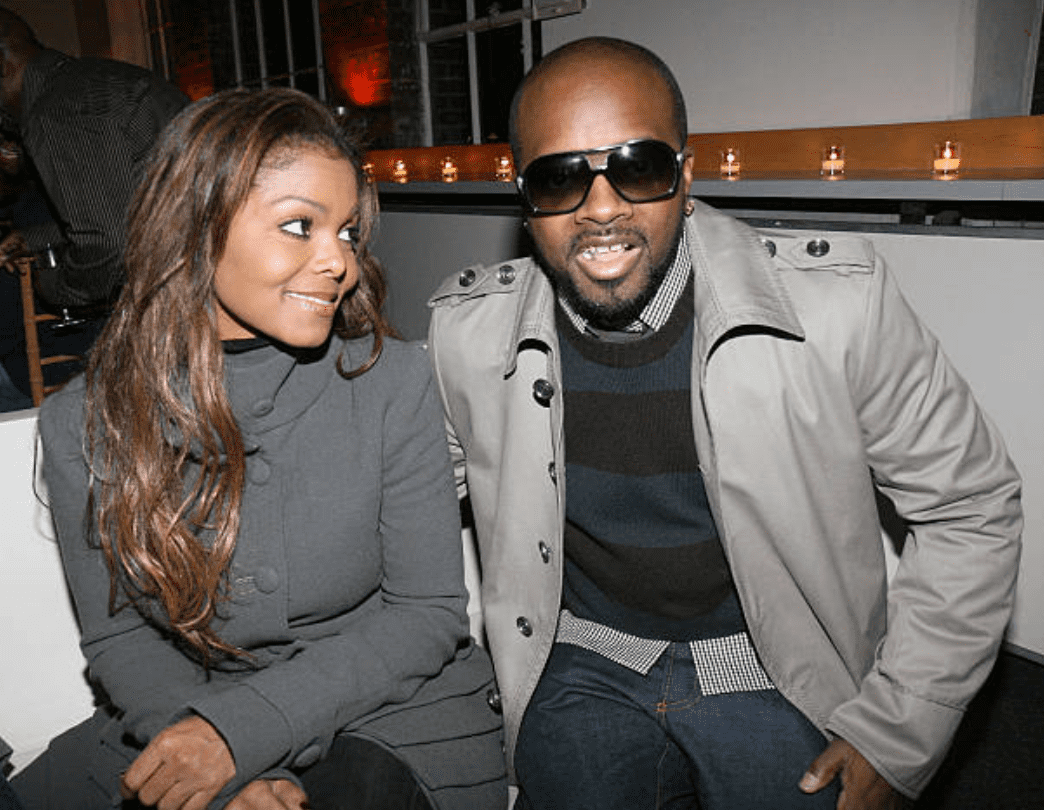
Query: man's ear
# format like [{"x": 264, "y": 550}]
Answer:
[{"x": 688, "y": 166}]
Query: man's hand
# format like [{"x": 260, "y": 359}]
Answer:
[
  {"x": 13, "y": 247},
  {"x": 183, "y": 768},
  {"x": 862, "y": 787},
  {"x": 274, "y": 794}
]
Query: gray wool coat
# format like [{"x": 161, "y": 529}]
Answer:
[{"x": 347, "y": 587}]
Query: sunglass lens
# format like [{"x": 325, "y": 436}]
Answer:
[
  {"x": 643, "y": 171},
  {"x": 557, "y": 182}
]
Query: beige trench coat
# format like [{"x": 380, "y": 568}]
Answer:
[{"x": 813, "y": 384}]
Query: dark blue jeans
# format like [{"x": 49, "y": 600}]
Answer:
[{"x": 597, "y": 735}]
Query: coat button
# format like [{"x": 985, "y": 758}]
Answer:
[
  {"x": 552, "y": 471},
  {"x": 493, "y": 700},
  {"x": 506, "y": 274},
  {"x": 467, "y": 277},
  {"x": 770, "y": 246},
  {"x": 267, "y": 579},
  {"x": 543, "y": 391},
  {"x": 259, "y": 471},
  {"x": 263, "y": 407},
  {"x": 818, "y": 247},
  {"x": 524, "y": 627},
  {"x": 545, "y": 551}
]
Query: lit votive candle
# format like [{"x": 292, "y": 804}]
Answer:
[
  {"x": 947, "y": 159},
  {"x": 367, "y": 168},
  {"x": 505, "y": 172},
  {"x": 730, "y": 163},
  {"x": 399, "y": 173},
  {"x": 832, "y": 164},
  {"x": 449, "y": 170}
]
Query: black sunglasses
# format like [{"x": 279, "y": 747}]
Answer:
[{"x": 639, "y": 171}]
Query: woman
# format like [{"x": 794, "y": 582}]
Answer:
[{"x": 258, "y": 526}]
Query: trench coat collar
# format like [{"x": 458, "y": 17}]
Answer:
[
  {"x": 735, "y": 285},
  {"x": 735, "y": 282}
]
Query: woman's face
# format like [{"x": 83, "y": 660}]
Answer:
[{"x": 289, "y": 257}]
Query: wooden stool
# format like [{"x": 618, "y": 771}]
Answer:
[{"x": 31, "y": 320}]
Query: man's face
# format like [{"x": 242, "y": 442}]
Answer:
[{"x": 609, "y": 256}]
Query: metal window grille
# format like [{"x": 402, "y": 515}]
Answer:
[{"x": 266, "y": 38}]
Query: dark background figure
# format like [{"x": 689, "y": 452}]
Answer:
[
  {"x": 14, "y": 396},
  {"x": 86, "y": 126}
]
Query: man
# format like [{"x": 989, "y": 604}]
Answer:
[
  {"x": 671, "y": 430},
  {"x": 86, "y": 125}
]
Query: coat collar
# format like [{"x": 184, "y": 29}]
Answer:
[
  {"x": 735, "y": 282},
  {"x": 270, "y": 386},
  {"x": 735, "y": 285}
]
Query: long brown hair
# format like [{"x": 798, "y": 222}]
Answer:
[{"x": 156, "y": 405}]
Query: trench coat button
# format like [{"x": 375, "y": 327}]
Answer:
[
  {"x": 260, "y": 471},
  {"x": 493, "y": 700},
  {"x": 467, "y": 277},
  {"x": 267, "y": 579},
  {"x": 308, "y": 756},
  {"x": 524, "y": 627},
  {"x": 551, "y": 471},
  {"x": 263, "y": 407},
  {"x": 770, "y": 246},
  {"x": 818, "y": 247},
  {"x": 506, "y": 274},
  {"x": 543, "y": 391},
  {"x": 545, "y": 551}
]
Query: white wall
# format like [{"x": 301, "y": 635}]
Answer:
[
  {"x": 42, "y": 687},
  {"x": 775, "y": 64}
]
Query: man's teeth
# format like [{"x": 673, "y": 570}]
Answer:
[{"x": 601, "y": 250}]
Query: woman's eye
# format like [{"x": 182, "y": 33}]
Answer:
[
  {"x": 298, "y": 227},
  {"x": 350, "y": 234}
]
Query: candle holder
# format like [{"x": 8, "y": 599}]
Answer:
[
  {"x": 832, "y": 163},
  {"x": 449, "y": 170},
  {"x": 399, "y": 173},
  {"x": 504, "y": 170},
  {"x": 367, "y": 169},
  {"x": 730, "y": 163},
  {"x": 947, "y": 160}
]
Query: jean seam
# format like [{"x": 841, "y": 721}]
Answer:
[{"x": 663, "y": 707}]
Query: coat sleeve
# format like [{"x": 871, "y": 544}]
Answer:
[
  {"x": 288, "y": 713},
  {"x": 943, "y": 464}
]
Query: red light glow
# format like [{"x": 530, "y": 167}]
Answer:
[{"x": 367, "y": 81}]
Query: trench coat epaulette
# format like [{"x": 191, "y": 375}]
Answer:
[
  {"x": 477, "y": 281},
  {"x": 840, "y": 253}
]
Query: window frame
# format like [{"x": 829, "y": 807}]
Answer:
[
  {"x": 159, "y": 20},
  {"x": 469, "y": 28}
]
